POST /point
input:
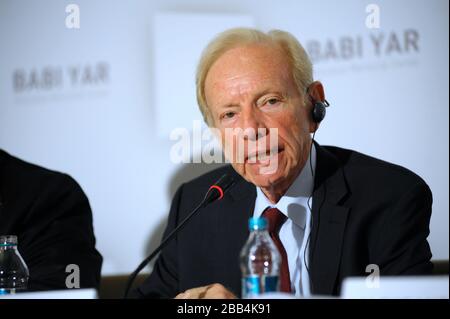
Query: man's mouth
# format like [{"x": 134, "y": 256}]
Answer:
[{"x": 263, "y": 156}]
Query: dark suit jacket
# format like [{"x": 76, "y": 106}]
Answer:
[
  {"x": 52, "y": 218},
  {"x": 365, "y": 211}
]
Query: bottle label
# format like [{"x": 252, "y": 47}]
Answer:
[
  {"x": 254, "y": 285},
  {"x": 7, "y": 291}
]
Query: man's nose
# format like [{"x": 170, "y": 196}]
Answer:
[{"x": 253, "y": 126}]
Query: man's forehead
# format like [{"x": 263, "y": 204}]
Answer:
[
  {"x": 244, "y": 69},
  {"x": 248, "y": 84},
  {"x": 254, "y": 57}
]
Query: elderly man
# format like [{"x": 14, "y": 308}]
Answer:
[{"x": 343, "y": 210}]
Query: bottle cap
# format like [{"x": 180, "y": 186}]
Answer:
[
  {"x": 8, "y": 240},
  {"x": 257, "y": 223}
]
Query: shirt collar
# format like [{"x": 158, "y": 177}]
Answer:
[{"x": 294, "y": 204}]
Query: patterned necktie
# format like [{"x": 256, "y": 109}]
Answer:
[{"x": 276, "y": 220}]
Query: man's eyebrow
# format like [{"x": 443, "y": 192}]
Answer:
[
  {"x": 255, "y": 97},
  {"x": 267, "y": 91},
  {"x": 227, "y": 105}
]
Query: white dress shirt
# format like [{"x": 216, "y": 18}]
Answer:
[{"x": 296, "y": 229}]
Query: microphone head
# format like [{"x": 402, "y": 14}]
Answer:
[{"x": 218, "y": 189}]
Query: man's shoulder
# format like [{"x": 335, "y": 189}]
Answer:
[
  {"x": 209, "y": 178},
  {"x": 27, "y": 178},
  {"x": 361, "y": 168}
]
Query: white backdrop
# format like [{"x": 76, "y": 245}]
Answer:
[{"x": 99, "y": 102}]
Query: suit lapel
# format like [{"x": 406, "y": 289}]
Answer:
[{"x": 328, "y": 222}]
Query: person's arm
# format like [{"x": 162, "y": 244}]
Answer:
[
  {"x": 401, "y": 246},
  {"x": 163, "y": 281},
  {"x": 57, "y": 231}
]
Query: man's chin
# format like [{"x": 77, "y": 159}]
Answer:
[
  {"x": 265, "y": 180},
  {"x": 259, "y": 175}
]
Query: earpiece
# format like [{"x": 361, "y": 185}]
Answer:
[{"x": 319, "y": 110}]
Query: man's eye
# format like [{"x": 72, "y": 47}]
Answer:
[
  {"x": 228, "y": 115},
  {"x": 272, "y": 101}
]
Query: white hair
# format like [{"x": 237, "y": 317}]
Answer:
[{"x": 298, "y": 59}]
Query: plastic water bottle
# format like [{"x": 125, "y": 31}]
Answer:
[
  {"x": 260, "y": 261},
  {"x": 13, "y": 270}
]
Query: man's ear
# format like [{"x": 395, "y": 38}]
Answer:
[{"x": 316, "y": 91}]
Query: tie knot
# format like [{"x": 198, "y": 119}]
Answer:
[{"x": 275, "y": 219}]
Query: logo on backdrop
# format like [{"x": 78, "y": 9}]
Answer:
[
  {"x": 380, "y": 45},
  {"x": 59, "y": 81},
  {"x": 377, "y": 49}
]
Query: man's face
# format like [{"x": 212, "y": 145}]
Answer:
[{"x": 251, "y": 87}]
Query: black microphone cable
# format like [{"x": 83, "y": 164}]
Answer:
[{"x": 311, "y": 214}]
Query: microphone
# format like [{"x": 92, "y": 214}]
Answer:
[{"x": 215, "y": 192}]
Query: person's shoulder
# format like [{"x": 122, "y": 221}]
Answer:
[
  {"x": 363, "y": 168},
  {"x": 31, "y": 178},
  {"x": 209, "y": 178},
  {"x": 192, "y": 192}
]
